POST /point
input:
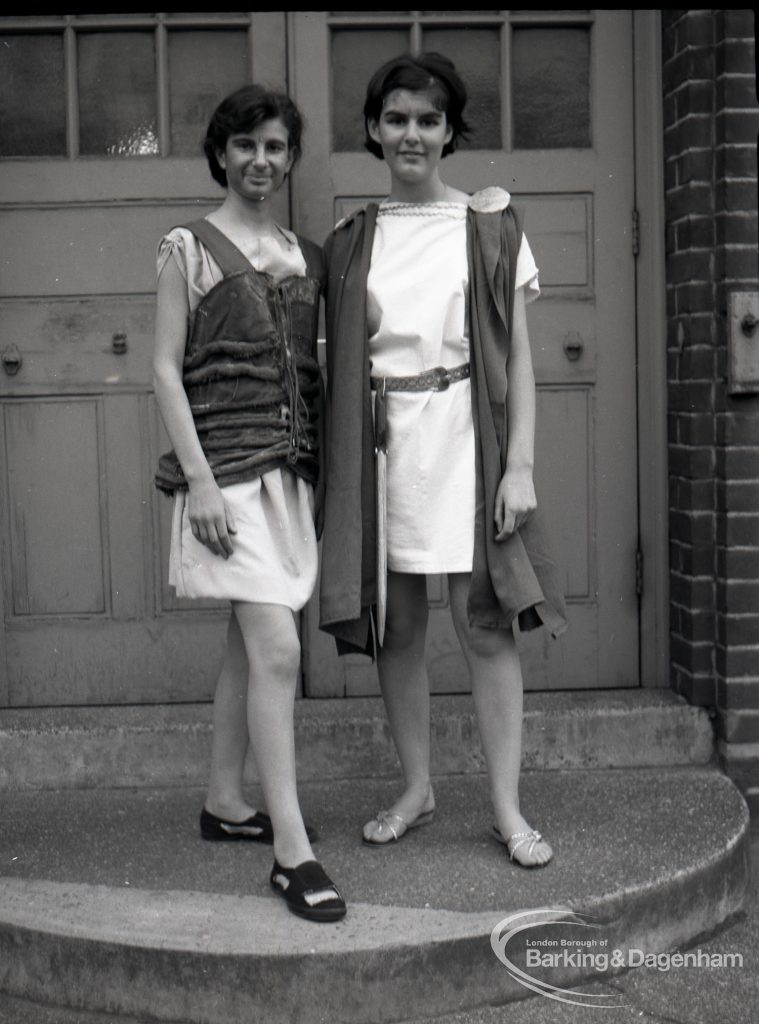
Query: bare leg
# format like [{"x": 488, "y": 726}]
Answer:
[
  {"x": 272, "y": 646},
  {"x": 496, "y": 675},
  {"x": 405, "y": 690},
  {"x": 230, "y": 741}
]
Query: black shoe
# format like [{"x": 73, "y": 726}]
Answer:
[
  {"x": 308, "y": 891},
  {"x": 256, "y": 829}
]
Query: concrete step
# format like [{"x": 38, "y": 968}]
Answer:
[
  {"x": 168, "y": 745},
  {"x": 111, "y": 903}
]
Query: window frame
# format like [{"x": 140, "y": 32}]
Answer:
[
  {"x": 415, "y": 23},
  {"x": 70, "y": 26}
]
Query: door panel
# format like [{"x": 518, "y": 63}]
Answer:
[
  {"x": 58, "y": 564},
  {"x": 552, "y": 102},
  {"x": 82, "y": 625}
]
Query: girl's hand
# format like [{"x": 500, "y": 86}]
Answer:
[
  {"x": 211, "y": 519},
  {"x": 515, "y": 501}
]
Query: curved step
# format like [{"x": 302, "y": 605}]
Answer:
[{"x": 151, "y": 921}]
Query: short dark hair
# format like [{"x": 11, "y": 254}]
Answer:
[
  {"x": 244, "y": 110},
  {"x": 426, "y": 71}
]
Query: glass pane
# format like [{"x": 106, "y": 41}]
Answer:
[
  {"x": 476, "y": 52},
  {"x": 117, "y": 94},
  {"x": 223, "y": 56},
  {"x": 551, "y": 87},
  {"x": 356, "y": 55},
  {"x": 32, "y": 96}
]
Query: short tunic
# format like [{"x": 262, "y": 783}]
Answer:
[
  {"x": 418, "y": 319},
  {"x": 274, "y": 559}
]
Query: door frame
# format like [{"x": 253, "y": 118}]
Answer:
[{"x": 651, "y": 334}]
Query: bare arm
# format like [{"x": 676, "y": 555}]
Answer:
[
  {"x": 210, "y": 519},
  {"x": 515, "y": 499}
]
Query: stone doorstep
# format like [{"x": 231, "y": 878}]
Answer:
[
  {"x": 214, "y": 958},
  {"x": 168, "y": 745}
]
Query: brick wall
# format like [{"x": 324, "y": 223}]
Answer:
[{"x": 710, "y": 144}]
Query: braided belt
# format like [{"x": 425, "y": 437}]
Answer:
[{"x": 437, "y": 379}]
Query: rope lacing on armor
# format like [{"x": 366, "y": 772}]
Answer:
[{"x": 298, "y": 408}]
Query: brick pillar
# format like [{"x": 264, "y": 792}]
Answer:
[{"x": 710, "y": 144}]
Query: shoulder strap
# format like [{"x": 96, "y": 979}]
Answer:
[{"x": 226, "y": 253}]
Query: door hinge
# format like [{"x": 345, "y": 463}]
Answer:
[
  {"x": 635, "y": 232},
  {"x": 639, "y": 572}
]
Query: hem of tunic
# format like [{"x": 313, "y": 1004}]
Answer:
[{"x": 415, "y": 567}]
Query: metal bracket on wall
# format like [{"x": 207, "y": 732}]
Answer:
[{"x": 743, "y": 343}]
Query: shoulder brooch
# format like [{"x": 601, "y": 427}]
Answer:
[{"x": 490, "y": 200}]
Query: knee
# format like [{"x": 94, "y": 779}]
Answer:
[
  {"x": 270, "y": 641},
  {"x": 405, "y": 631},
  {"x": 491, "y": 643},
  {"x": 283, "y": 657},
  {"x": 275, "y": 660}
]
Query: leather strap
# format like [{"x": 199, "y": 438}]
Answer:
[{"x": 439, "y": 378}]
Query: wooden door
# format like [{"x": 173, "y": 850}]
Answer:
[
  {"x": 551, "y": 100},
  {"x": 103, "y": 121}
]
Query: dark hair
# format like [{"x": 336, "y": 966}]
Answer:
[
  {"x": 427, "y": 71},
  {"x": 244, "y": 110}
]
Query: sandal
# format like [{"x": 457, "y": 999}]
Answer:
[
  {"x": 257, "y": 828},
  {"x": 308, "y": 891},
  {"x": 518, "y": 839},
  {"x": 386, "y": 819}
]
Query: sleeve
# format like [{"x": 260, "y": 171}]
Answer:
[
  {"x": 173, "y": 245},
  {"x": 196, "y": 265},
  {"x": 527, "y": 272}
]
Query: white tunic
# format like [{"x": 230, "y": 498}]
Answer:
[
  {"x": 418, "y": 319},
  {"x": 274, "y": 560}
]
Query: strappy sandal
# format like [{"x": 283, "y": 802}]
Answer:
[
  {"x": 256, "y": 829},
  {"x": 396, "y": 825},
  {"x": 518, "y": 839},
  {"x": 308, "y": 891}
]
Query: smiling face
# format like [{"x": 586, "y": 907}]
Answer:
[
  {"x": 412, "y": 131},
  {"x": 257, "y": 162}
]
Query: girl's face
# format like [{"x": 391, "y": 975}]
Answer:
[
  {"x": 412, "y": 132},
  {"x": 257, "y": 162}
]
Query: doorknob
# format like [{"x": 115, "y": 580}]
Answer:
[
  {"x": 119, "y": 343},
  {"x": 573, "y": 347},
  {"x": 12, "y": 360},
  {"x": 748, "y": 324}
]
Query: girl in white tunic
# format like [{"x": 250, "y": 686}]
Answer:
[
  {"x": 236, "y": 386},
  {"x": 418, "y": 320}
]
